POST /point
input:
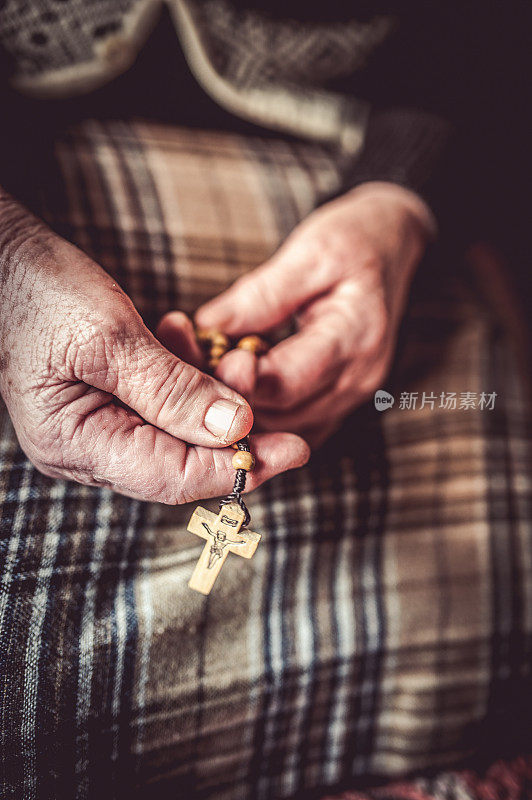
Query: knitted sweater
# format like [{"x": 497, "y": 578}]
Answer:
[{"x": 383, "y": 83}]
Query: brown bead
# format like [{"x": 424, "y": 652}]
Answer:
[
  {"x": 254, "y": 344},
  {"x": 213, "y": 363},
  {"x": 219, "y": 339},
  {"x": 243, "y": 460},
  {"x": 217, "y": 351},
  {"x": 212, "y": 337},
  {"x": 203, "y": 334}
]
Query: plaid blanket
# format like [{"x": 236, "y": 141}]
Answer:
[
  {"x": 385, "y": 623},
  {"x": 503, "y": 780}
]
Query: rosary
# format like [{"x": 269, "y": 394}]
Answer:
[{"x": 224, "y": 532}]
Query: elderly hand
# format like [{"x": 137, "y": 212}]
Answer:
[
  {"x": 344, "y": 272},
  {"x": 95, "y": 397}
]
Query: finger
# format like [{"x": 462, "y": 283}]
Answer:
[
  {"x": 340, "y": 328},
  {"x": 238, "y": 369},
  {"x": 114, "y": 447},
  {"x": 301, "y": 367},
  {"x": 324, "y": 411},
  {"x": 317, "y": 436},
  {"x": 353, "y": 385},
  {"x": 300, "y": 422},
  {"x": 127, "y": 361},
  {"x": 176, "y": 332},
  {"x": 274, "y": 453},
  {"x": 269, "y": 294}
]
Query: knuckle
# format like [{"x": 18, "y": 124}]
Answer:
[
  {"x": 376, "y": 330},
  {"x": 89, "y": 352},
  {"x": 100, "y": 347},
  {"x": 201, "y": 461},
  {"x": 177, "y": 390},
  {"x": 116, "y": 329}
]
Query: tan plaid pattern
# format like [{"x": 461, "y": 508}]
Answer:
[{"x": 384, "y": 624}]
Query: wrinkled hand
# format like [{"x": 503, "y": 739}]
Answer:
[
  {"x": 344, "y": 272},
  {"x": 95, "y": 397}
]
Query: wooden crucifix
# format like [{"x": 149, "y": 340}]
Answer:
[{"x": 223, "y": 536}]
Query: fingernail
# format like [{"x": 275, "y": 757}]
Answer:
[{"x": 220, "y": 417}]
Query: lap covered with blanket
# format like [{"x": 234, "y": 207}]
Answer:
[{"x": 384, "y": 625}]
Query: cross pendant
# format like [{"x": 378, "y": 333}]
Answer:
[{"x": 223, "y": 536}]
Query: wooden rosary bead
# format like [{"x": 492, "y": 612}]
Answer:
[
  {"x": 203, "y": 335},
  {"x": 243, "y": 460},
  {"x": 219, "y": 339},
  {"x": 214, "y": 344},
  {"x": 223, "y": 532},
  {"x": 217, "y": 351},
  {"x": 212, "y": 337},
  {"x": 254, "y": 344}
]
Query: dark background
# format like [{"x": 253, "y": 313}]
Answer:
[{"x": 477, "y": 73}]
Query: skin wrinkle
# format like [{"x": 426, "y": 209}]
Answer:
[
  {"x": 66, "y": 324},
  {"x": 14, "y": 245},
  {"x": 87, "y": 357},
  {"x": 72, "y": 333},
  {"x": 173, "y": 393},
  {"x": 208, "y": 461},
  {"x": 83, "y": 475},
  {"x": 334, "y": 273},
  {"x": 43, "y": 440},
  {"x": 362, "y": 372},
  {"x": 18, "y": 312},
  {"x": 23, "y": 284},
  {"x": 101, "y": 441}
]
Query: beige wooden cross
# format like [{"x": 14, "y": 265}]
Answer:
[{"x": 223, "y": 536}]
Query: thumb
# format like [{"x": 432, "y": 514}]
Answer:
[
  {"x": 127, "y": 361},
  {"x": 265, "y": 297}
]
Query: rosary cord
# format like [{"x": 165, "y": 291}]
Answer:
[
  {"x": 239, "y": 485},
  {"x": 215, "y": 345}
]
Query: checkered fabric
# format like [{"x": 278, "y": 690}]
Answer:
[
  {"x": 385, "y": 623},
  {"x": 274, "y": 72},
  {"x": 503, "y": 780}
]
